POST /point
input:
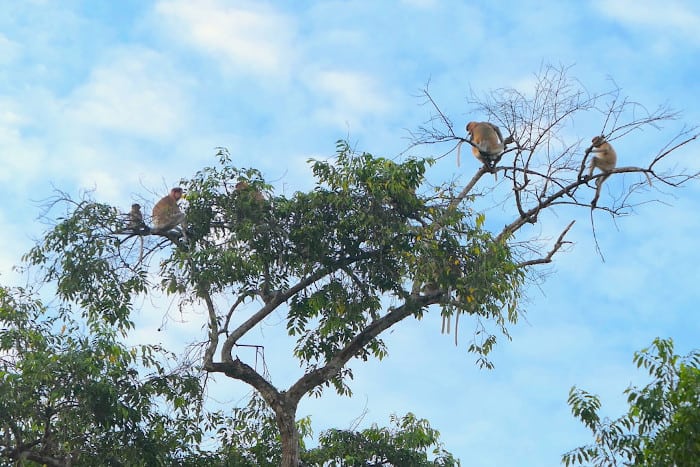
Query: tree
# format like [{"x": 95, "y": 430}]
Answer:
[
  {"x": 368, "y": 247},
  {"x": 67, "y": 399},
  {"x": 250, "y": 437},
  {"x": 662, "y": 426}
]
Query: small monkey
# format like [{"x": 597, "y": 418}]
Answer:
[
  {"x": 605, "y": 159},
  {"x": 167, "y": 214},
  {"x": 244, "y": 187},
  {"x": 251, "y": 204},
  {"x": 135, "y": 221}
]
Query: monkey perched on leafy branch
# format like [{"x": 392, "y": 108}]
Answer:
[
  {"x": 135, "y": 221},
  {"x": 167, "y": 214}
]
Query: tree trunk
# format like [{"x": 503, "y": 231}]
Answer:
[{"x": 289, "y": 435}]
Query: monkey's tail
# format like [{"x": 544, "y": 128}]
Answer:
[
  {"x": 459, "y": 151},
  {"x": 595, "y": 237},
  {"x": 456, "y": 326},
  {"x": 141, "y": 249},
  {"x": 445, "y": 324}
]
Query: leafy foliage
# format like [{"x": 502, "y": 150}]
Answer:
[
  {"x": 360, "y": 252},
  {"x": 251, "y": 439},
  {"x": 83, "y": 255},
  {"x": 66, "y": 398},
  {"x": 407, "y": 442},
  {"x": 362, "y": 234},
  {"x": 662, "y": 426}
]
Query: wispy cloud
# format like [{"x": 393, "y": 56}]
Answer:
[
  {"x": 9, "y": 50},
  {"x": 348, "y": 98},
  {"x": 657, "y": 21},
  {"x": 250, "y": 37},
  {"x": 134, "y": 93}
]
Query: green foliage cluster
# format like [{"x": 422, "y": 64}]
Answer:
[
  {"x": 362, "y": 236},
  {"x": 662, "y": 426},
  {"x": 250, "y": 438},
  {"x": 83, "y": 255},
  {"x": 407, "y": 442},
  {"x": 68, "y": 398},
  {"x": 366, "y": 248}
]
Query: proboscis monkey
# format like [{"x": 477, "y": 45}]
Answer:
[
  {"x": 167, "y": 214},
  {"x": 135, "y": 221},
  {"x": 487, "y": 140},
  {"x": 244, "y": 187},
  {"x": 604, "y": 158}
]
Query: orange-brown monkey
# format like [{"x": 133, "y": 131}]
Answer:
[
  {"x": 167, "y": 214},
  {"x": 487, "y": 140}
]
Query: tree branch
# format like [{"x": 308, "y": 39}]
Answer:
[
  {"x": 281, "y": 297},
  {"x": 312, "y": 379},
  {"x": 548, "y": 258}
]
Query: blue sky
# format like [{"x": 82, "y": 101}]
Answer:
[{"x": 128, "y": 97}]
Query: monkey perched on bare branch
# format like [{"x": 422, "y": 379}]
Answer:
[
  {"x": 605, "y": 159},
  {"x": 167, "y": 214},
  {"x": 487, "y": 142}
]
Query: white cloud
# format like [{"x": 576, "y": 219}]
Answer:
[
  {"x": 675, "y": 18},
  {"x": 134, "y": 93},
  {"x": 250, "y": 38},
  {"x": 20, "y": 159},
  {"x": 350, "y": 97}
]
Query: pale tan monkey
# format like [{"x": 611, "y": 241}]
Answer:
[
  {"x": 167, "y": 214},
  {"x": 604, "y": 158},
  {"x": 252, "y": 203}
]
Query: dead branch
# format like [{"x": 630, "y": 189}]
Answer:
[{"x": 548, "y": 257}]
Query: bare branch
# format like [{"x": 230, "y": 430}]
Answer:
[
  {"x": 548, "y": 258},
  {"x": 546, "y": 170}
]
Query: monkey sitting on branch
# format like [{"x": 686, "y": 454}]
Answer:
[
  {"x": 605, "y": 159},
  {"x": 135, "y": 223},
  {"x": 167, "y": 214},
  {"x": 487, "y": 143}
]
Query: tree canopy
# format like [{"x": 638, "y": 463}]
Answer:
[
  {"x": 373, "y": 243},
  {"x": 74, "y": 398},
  {"x": 662, "y": 425}
]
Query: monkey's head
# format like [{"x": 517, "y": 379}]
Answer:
[
  {"x": 136, "y": 207},
  {"x": 470, "y": 127},
  {"x": 598, "y": 140},
  {"x": 176, "y": 193}
]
